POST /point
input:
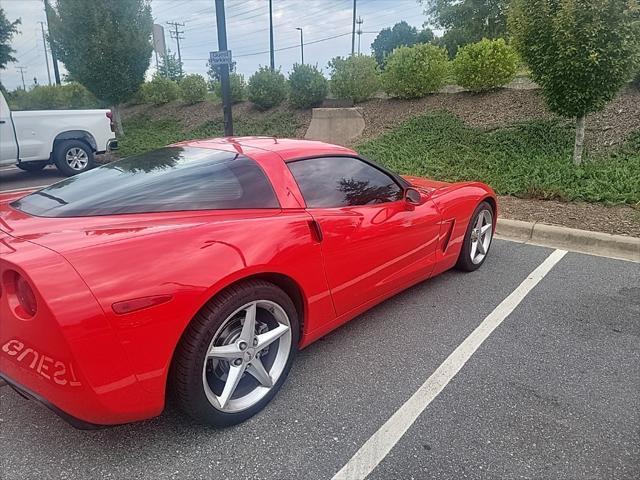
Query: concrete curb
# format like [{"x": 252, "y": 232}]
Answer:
[{"x": 584, "y": 241}]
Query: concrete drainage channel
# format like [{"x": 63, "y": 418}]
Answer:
[{"x": 595, "y": 243}]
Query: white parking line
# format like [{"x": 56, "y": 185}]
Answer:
[{"x": 380, "y": 444}]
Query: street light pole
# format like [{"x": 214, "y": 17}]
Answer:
[
  {"x": 301, "y": 46},
  {"x": 224, "y": 69},
  {"x": 272, "y": 62}
]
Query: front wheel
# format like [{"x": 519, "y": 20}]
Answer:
[
  {"x": 477, "y": 239},
  {"x": 73, "y": 157},
  {"x": 236, "y": 354}
]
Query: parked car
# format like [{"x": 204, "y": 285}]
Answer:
[
  {"x": 69, "y": 139},
  {"x": 198, "y": 271}
]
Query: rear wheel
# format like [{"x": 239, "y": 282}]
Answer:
[
  {"x": 32, "y": 166},
  {"x": 73, "y": 157},
  {"x": 236, "y": 354},
  {"x": 477, "y": 239}
]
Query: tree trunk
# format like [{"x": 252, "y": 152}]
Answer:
[
  {"x": 579, "y": 145},
  {"x": 118, "y": 120}
]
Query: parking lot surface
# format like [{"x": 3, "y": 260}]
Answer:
[
  {"x": 12, "y": 178},
  {"x": 552, "y": 393}
]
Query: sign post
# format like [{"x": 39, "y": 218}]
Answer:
[{"x": 223, "y": 56}]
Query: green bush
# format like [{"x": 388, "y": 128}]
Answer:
[
  {"x": 525, "y": 159},
  {"x": 53, "y": 97},
  {"x": 238, "y": 88},
  {"x": 267, "y": 88},
  {"x": 355, "y": 78},
  {"x": 413, "y": 72},
  {"x": 636, "y": 80},
  {"x": 485, "y": 65},
  {"x": 307, "y": 86},
  {"x": 193, "y": 88},
  {"x": 160, "y": 90}
]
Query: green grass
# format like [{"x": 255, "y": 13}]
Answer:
[
  {"x": 531, "y": 159},
  {"x": 143, "y": 134}
]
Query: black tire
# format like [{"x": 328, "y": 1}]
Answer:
[
  {"x": 32, "y": 166},
  {"x": 60, "y": 156},
  {"x": 186, "y": 376},
  {"x": 465, "y": 262}
]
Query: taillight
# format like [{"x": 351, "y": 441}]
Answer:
[
  {"x": 109, "y": 115},
  {"x": 26, "y": 297},
  {"x": 20, "y": 296}
]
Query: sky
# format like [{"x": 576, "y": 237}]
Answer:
[{"x": 247, "y": 32}]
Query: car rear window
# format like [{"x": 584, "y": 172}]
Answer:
[{"x": 168, "y": 179}]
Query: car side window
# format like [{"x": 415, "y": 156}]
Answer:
[{"x": 327, "y": 182}]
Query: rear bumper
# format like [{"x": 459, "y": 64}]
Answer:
[
  {"x": 112, "y": 145},
  {"x": 29, "y": 395},
  {"x": 67, "y": 355}
]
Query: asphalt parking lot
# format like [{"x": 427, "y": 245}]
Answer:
[
  {"x": 12, "y": 178},
  {"x": 553, "y": 392}
]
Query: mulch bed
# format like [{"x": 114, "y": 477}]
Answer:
[{"x": 618, "y": 219}]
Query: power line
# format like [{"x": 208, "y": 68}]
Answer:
[{"x": 278, "y": 49}]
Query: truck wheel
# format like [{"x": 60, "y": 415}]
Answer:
[
  {"x": 31, "y": 166},
  {"x": 73, "y": 157}
]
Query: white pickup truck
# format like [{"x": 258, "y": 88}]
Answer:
[{"x": 67, "y": 138}]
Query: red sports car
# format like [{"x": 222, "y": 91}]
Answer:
[{"x": 198, "y": 270}]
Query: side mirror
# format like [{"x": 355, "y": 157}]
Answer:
[{"x": 412, "y": 196}]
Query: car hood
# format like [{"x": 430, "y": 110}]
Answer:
[{"x": 426, "y": 184}]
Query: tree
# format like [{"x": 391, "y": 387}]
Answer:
[
  {"x": 401, "y": 34},
  {"x": 7, "y": 31},
  {"x": 170, "y": 67},
  {"x": 580, "y": 52},
  {"x": 467, "y": 21},
  {"x": 106, "y": 46}
]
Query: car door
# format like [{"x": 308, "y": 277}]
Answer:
[
  {"x": 8, "y": 145},
  {"x": 373, "y": 242}
]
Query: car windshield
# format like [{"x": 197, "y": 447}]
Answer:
[{"x": 168, "y": 179}]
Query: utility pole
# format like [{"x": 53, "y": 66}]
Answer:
[
  {"x": 359, "y": 31},
  {"x": 54, "y": 57},
  {"x": 21, "y": 70},
  {"x": 221, "y": 25},
  {"x": 177, "y": 35},
  {"x": 271, "y": 59},
  {"x": 301, "y": 46},
  {"x": 46, "y": 57},
  {"x": 353, "y": 30}
]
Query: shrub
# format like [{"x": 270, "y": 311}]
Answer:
[
  {"x": 485, "y": 65},
  {"x": 356, "y": 77},
  {"x": 238, "y": 88},
  {"x": 267, "y": 88},
  {"x": 636, "y": 80},
  {"x": 413, "y": 72},
  {"x": 193, "y": 88},
  {"x": 307, "y": 86},
  {"x": 53, "y": 97},
  {"x": 160, "y": 90}
]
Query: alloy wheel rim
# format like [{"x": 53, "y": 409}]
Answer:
[
  {"x": 481, "y": 235},
  {"x": 246, "y": 356},
  {"x": 77, "y": 158}
]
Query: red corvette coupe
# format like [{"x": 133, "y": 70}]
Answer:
[{"x": 198, "y": 270}]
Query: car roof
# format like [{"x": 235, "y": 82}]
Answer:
[{"x": 287, "y": 148}]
